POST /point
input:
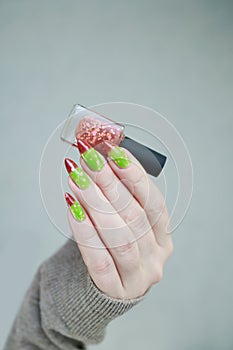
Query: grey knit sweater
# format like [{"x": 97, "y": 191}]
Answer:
[{"x": 63, "y": 309}]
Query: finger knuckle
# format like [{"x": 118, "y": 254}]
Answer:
[
  {"x": 134, "y": 212},
  {"x": 137, "y": 219},
  {"x": 157, "y": 274},
  {"x": 107, "y": 183},
  {"x": 125, "y": 249},
  {"x": 161, "y": 219},
  {"x": 140, "y": 177},
  {"x": 102, "y": 266},
  {"x": 128, "y": 255}
]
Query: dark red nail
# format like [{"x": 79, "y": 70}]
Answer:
[
  {"x": 69, "y": 199},
  {"x": 70, "y": 165},
  {"x": 83, "y": 146}
]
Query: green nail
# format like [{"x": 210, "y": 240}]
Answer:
[
  {"x": 93, "y": 159},
  {"x": 119, "y": 157},
  {"x": 77, "y": 211},
  {"x": 80, "y": 178}
]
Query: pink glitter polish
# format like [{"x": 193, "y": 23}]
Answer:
[
  {"x": 86, "y": 125},
  {"x": 95, "y": 131}
]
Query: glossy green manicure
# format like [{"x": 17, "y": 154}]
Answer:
[
  {"x": 80, "y": 178},
  {"x": 75, "y": 207},
  {"x": 119, "y": 157},
  {"x": 77, "y": 174},
  {"x": 77, "y": 211},
  {"x": 90, "y": 155},
  {"x": 93, "y": 159}
]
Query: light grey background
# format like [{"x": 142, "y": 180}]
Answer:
[{"x": 173, "y": 56}]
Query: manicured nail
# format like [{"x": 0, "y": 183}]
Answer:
[
  {"x": 77, "y": 174},
  {"x": 90, "y": 155},
  {"x": 75, "y": 207},
  {"x": 117, "y": 155}
]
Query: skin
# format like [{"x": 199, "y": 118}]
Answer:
[{"x": 124, "y": 239}]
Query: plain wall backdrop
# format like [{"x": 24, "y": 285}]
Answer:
[{"x": 173, "y": 56}]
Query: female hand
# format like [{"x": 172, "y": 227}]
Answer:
[{"x": 119, "y": 221}]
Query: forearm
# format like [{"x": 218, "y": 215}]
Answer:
[{"x": 63, "y": 309}]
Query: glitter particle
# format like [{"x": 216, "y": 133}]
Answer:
[{"x": 95, "y": 131}]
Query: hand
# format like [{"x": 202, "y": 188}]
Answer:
[{"x": 119, "y": 221}]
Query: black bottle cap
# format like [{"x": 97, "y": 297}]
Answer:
[{"x": 152, "y": 161}]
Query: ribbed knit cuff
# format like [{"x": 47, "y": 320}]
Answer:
[{"x": 84, "y": 309}]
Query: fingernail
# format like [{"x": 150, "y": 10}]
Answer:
[
  {"x": 77, "y": 174},
  {"x": 75, "y": 207},
  {"x": 117, "y": 155},
  {"x": 90, "y": 155}
]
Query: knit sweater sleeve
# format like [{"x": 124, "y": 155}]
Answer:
[{"x": 63, "y": 308}]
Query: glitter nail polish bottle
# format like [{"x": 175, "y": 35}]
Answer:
[
  {"x": 93, "y": 128},
  {"x": 85, "y": 124}
]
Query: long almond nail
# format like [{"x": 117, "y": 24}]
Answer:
[
  {"x": 117, "y": 155},
  {"x": 90, "y": 155},
  {"x": 75, "y": 207},
  {"x": 77, "y": 174}
]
